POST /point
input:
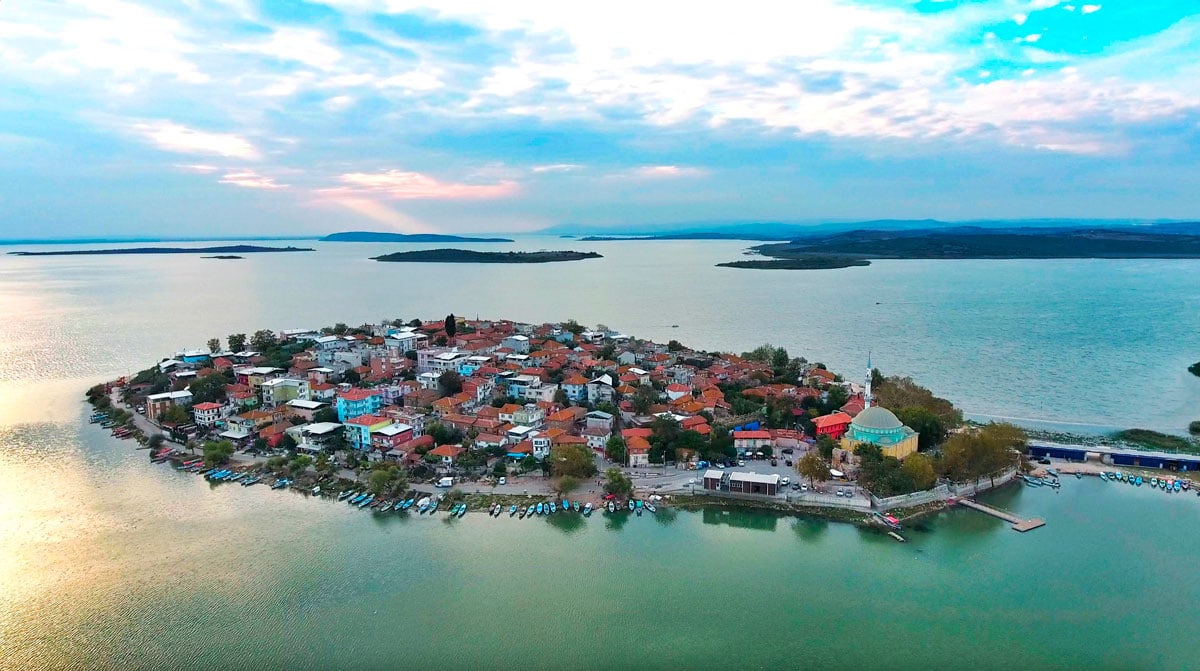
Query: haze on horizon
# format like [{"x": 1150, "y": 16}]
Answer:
[{"x": 280, "y": 117}]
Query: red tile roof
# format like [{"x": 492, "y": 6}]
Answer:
[
  {"x": 750, "y": 435},
  {"x": 358, "y": 394},
  {"x": 451, "y": 451}
]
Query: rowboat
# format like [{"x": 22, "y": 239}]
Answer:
[
  {"x": 612, "y": 507},
  {"x": 512, "y": 510},
  {"x": 553, "y": 507},
  {"x": 566, "y": 506},
  {"x": 1051, "y": 471},
  {"x": 344, "y": 495},
  {"x": 587, "y": 509},
  {"x": 631, "y": 505},
  {"x": 316, "y": 490},
  {"x": 280, "y": 484},
  {"x": 1139, "y": 481},
  {"x": 366, "y": 502},
  {"x": 462, "y": 510},
  {"x": 422, "y": 508},
  {"x": 651, "y": 508},
  {"x": 1104, "y": 477},
  {"x": 578, "y": 507}
]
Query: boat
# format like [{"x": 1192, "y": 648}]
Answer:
[
  {"x": 1104, "y": 477},
  {"x": 422, "y": 508},
  {"x": 354, "y": 500},
  {"x": 462, "y": 510},
  {"x": 1178, "y": 486},
  {"x": 651, "y": 508},
  {"x": 344, "y": 495},
  {"x": 553, "y": 507},
  {"x": 641, "y": 504},
  {"x": 1051, "y": 471},
  {"x": 1032, "y": 482},
  {"x": 587, "y": 509},
  {"x": 251, "y": 481},
  {"x": 408, "y": 504},
  {"x": 1187, "y": 484},
  {"x": 1153, "y": 482},
  {"x": 512, "y": 510},
  {"x": 367, "y": 501},
  {"x": 639, "y": 511},
  {"x": 1078, "y": 475},
  {"x": 280, "y": 484},
  {"x": 612, "y": 507},
  {"x": 1051, "y": 483},
  {"x": 566, "y": 506},
  {"x": 631, "y": 505},
  {"x": 578, "y": 507},
  {"x": 897, "y": 536}
]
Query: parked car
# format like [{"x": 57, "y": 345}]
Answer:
[
  {"x": 795, "y": 486},
  {"x": 774, "y": 462},
  {"x": 741, "y": 462},
  {"x": 839, "y": 492},
  {"x": 785, "y": 481},
  {"x": 788, "y": 463},
  {"x": 787, "y": 450},
  {"x": 502, "y": 481},
  {"x": 804, "y": 488}
]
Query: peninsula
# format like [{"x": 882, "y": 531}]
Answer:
[
  {"x": 226, "y": 251},
  {"x": 471, "y": 256},
  {"x": 376, "y": 236},
  {"x": 814, "y": 262}
]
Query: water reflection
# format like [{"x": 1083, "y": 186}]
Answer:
[
  {"x": 810, "y": 528},
  {"x": 666, "y": 516},
  {"x": 566, "y": 522},
  {"x": 742, "y": 519},
  {"x": 616, "y": 521}
]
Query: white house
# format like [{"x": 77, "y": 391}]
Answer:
[{"x": 516, "y": 343}]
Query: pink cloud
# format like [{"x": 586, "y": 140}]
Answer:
[
  {"x": 251, "y": 180},
  {"x": 402, "y": 185},
  {"x": 667, "y": 171}
]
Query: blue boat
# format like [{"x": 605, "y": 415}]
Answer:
[
  {"x": 539, "y": 509},
  {"x": 423, "y": 508},
  {"x": 631, "y": 505},
  {"x": 566, "y": 505},
  {"x": 512, "y": 510},
  {"x": 281, "y": 483},
  {"x": 640, "y": 504},
  {"x": 1178, "y": 486},
  {"x": 462, "y": 510},
  {"x": 408, "y": 504},
  {"x": 354, "y": 500},
  {"x": 1139, "y": 481},
  {"x": 553, "y": 507},
  {"x": 578, "y": 507}
]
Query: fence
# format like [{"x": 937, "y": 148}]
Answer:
[
  {"x": 943, "y": 492},
  {"x": 965, "y": 489}
]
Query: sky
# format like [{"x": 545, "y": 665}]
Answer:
[{"x": 279, "y": 117}]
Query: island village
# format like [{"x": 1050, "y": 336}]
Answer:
[{"x": 504, "y": 417}]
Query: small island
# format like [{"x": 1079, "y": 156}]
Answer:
[
  {"x": 470, "y": 256},
  {"x": 799, "y": 263},
  {"x": 377, "y": 236},
  {"x": 222, "y": 252},
  {"x": 225, "y": 257}
]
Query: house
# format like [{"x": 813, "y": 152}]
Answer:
[
  {"x": 157, "y": 404},
  {"x": 280, "y": 390},
  {"x": 209, "y": 415},
  {"x": 316, "y": 437},
  {"x": 516, "y": 343},
  {"x": 754, "y": 483},
  {"x": 304, "y": 410},
  {"x": 360, "y": 428},
  {"x": 440, "y": 359},
  {"x": 530, "y": 415},
  {"x": 597, "y": 437},
  {"x": 322, "y": 391},
  {"x": 714, "y": 480},
  {"x": 448, "y": 453},
  {"x": 575, "y": 387},
  {"x": 598, "y": 419},
  {"x": 600, "y": 389},
  {"x": 833, "y": 425},
  {"x": 354, "y": 402},
  {"x": 506, "y": 412},
  {"x": 541, "y": 447},
  {"x": 638, "y": 451},
  {"x": 565, "y": 419},
  {"x": 677, "y": 391},
  {"x": 391, "y": 437},
  {"x": 751, "y": 441}
]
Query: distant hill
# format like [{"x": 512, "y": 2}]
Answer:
[
  {"x": 973, "y": 242},
  {"x": 225, "y": 252},
  {"x": 376, "y": 236},
  {"x": 471, "y": 256}
]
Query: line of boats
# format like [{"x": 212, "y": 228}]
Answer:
[
  {"x": 1169, "y": 485},
  {"x": 1050, "y": 480},
  {"x": 106, "y": 422},
  {"x": 425, "y": 505}
]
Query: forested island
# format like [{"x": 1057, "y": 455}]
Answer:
[
  {"x": 470, "y": 256},
  {"x": 376, "y": 236},
  {"x": 818, "y": 262},
  {"x": 222, "y": 252},
  {"x": 684, "y": 236}
]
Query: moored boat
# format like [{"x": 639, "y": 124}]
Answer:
[
  {"x": 587, "y": 509},
  {"x": 512, "y": 510},
  {"x": 566, "y": 506},
  {"x": 651, "y": 508},
  {"x": 553, "y": 507},
  {"x": 462, "y": 510},
  {"x": 632, "y": 505}
]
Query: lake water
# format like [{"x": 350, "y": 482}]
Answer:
[{"x": 107, "y": 561}]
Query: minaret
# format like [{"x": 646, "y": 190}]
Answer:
[{"x": 867, "y": 392}]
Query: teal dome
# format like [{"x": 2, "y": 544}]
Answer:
[{"x": 877, "y": 419}]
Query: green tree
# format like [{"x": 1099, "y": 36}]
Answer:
[
  {"x": 451, "y": 325},
  {"x": 156, "y": 440},
  {"x": 351, "y": 376},
  {"x": 175, "y": 415},
  {"x": 779, "y": 360},
  {"x": 326, "y": 414},
  {"x": 895, "y": 393},
  {"x": 644, "y": 397},
  {"x": 617, "y": 483},
  {"x": 323, "y": 464},
  {"x": 300, "y": 464},
  {"x": 214, "y": 345},
  {"x": 813, "y": 467},
  {"x": 378, "y": 481},
  {"x": 217, "y": 452},
  {"x": 529, "y": 463},
  {"x": 340, "y": 328},
  {"x": 287, "y": 443},
  {"x": 573, "y": 326},
  {"x": 560, "y": 397},
  {"x": 208, "y": 389},
  {"x": 450, "y": 383},
  {"x": 615, "y": 449},
  {"x": 566, "y": 484},
  {"x": 263, "y": 340},
  {"x": 499, "y": 469},
  {"x": 919, "y": 467},
  {"x": 1194, "y": 428},
  {"x": 237, "y": 342},
  {"x": 675, "y": 346},
  {"x": 573, "y": 460},
  {"x": 825, "y": 446},
  {"x": 929, "y": 426}
]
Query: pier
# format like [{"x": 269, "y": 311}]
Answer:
[{"x": 1018, "y": 524}]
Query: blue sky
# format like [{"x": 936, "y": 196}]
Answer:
[{"x": 274, "y": 117}]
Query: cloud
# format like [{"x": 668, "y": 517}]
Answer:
[
  {"x": 197, "y": 168},
  {"x": 300, "y": 45},
  {"x": 1088, "y": 9},
  {"x": 666, "y": 171},
  {"x": 174, "y": 137},
  {"x": 251, "y": 180},
  {"x": 556, "y": 167},
  {"x": 404, "y": 185}
]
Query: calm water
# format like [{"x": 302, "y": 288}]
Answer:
[{"x": 107, "y": 561}]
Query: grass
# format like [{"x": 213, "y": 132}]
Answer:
[{"x": 1157, "y": 441}]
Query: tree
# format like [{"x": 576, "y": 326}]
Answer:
[
  {"x": 968, "y": 455},
  {"x": 929, "y": 426},
  {"x": 560, "y": 397},
  {"x": 217, "y": 452},
  {"x": 615, "y": 449},
  {"x": 351, "y": 376},
  {"x": 895, "y": 393},
  {"x": 529, "y": 463},
  {"x": 451, "y": 325},
  {"x": 813, "y": 467},
  {"x": 499, "y": 469},
  {"x": 263, "y": 340},
  {"x": 156, "y": 441},
  {"x": 675, "y": 346},
  {"x": 208, "y": 389},
  {"x": 779, "y": 360},
  {"x": 566, "y": 484},
  {"x": 288, "y": 443},
  {"x": 825, "y": 445},
  {"x": 919, "y": 467},
  {"x": 214, "y": 345},
  {"x": 450, "y": 383},
  {"x": 574, "y": 327},
  {"x": 323, "y": 465},
  {"x": 617, "y": 483},
  {"x": 573, "y": 460},
  {"x": 378, "y": 480},
  {"x": 237, "y": 342},
  {"x": 340, "y": 328},
  {"x": 443, "y": 435},
  {"x": 299, "y": 464},
  {"x": 175, "y": 415},
  {"x": 1194, "y": 428},
  {"x": 644, "y": 397},
  {"x": 326, "y": 414}
]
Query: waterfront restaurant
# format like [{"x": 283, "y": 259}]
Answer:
[{"x": 754, "y": 483}]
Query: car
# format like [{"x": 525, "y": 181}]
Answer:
[
  {"x": 839, "y": 492},
  {"x": 788, "y": 463},
  {"x": 804, "y": 488},
  {"x": 774, "y": 462},
  {"x": 741, "y": 462},
  {"x": 1044, "y": 460},
  {"x": 787, "y": 450},
  {"x": 785, "y": 481},
  {"x": 795, "y": 486},
  {"x": 141, "y": 409},
  {"x": 502, "y": 481}
]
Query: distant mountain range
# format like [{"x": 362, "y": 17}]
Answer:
[
  {"x": 763, "y": 231},
  {"x": 376, "y": 236}
]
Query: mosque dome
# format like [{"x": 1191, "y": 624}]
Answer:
[{"x": 876, "y": 418}]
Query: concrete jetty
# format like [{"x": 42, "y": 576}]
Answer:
[{"x": 1018, "y": 524}]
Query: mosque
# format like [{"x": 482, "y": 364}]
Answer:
[{"x": 879, "y": 426}]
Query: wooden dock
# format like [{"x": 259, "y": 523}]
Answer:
[{"x": 1017, "y": 523}]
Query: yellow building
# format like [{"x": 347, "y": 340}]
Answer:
[{"x": 880, "y": 427}]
